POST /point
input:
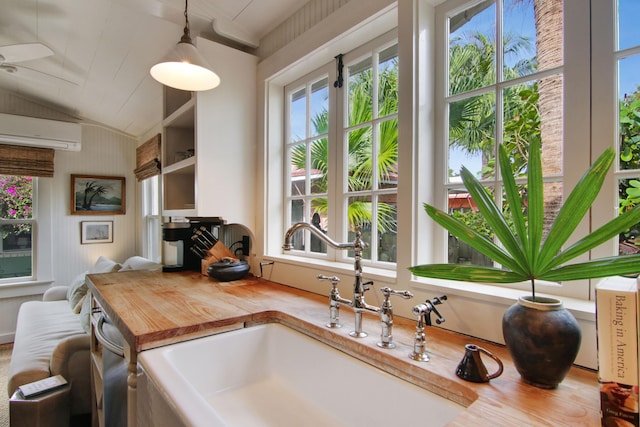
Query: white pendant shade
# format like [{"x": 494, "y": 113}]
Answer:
[{"x": 184, "y": 68}]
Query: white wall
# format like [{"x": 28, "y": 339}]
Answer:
[{"x": 104, "y": 152}]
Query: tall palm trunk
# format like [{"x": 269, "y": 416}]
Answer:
[{"x": 549, "y": 49}]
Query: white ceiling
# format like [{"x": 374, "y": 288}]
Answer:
[{"x": 103, "y": 49}]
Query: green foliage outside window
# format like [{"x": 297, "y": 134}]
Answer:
[
  {"x": 16, "y": 203},
  {"x": 472, "y": 122},
  {"x": 629, "y": 190},
  {"x": 360, "y": 142}
]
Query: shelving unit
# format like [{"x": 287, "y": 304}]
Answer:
[
  {"x": 208, "y": 164},
  {"x": 179, "y": 144}
]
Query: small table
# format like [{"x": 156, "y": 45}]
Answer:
[{"x": 49, "y": 409}]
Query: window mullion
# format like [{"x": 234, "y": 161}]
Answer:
[
  {"x": 334, "y": 179},
  {"x": 499, "y": 43}
]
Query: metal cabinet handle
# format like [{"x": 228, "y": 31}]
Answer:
[{"x": 106, "y": 342}]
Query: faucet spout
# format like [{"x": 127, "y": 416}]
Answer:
[
  {"x": 287, "y": 246},
  {"x": 357, "y": 245}
]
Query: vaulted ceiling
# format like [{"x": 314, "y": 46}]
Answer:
[{"x": 103, "y": 49}]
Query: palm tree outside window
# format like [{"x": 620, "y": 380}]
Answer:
[
  {"x": 359, "y": 187},
  {"x": 505, "y": 85}
]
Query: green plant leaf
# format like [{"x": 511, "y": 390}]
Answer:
[
  {"x": 607, "y": 231},
  {"x": 473, "y": 238},
  {"x": 469, "y": 273},
  {"x": 535, "y": 207},
  {"x": 634, "y": 190},
  {"x": 549, "y": 265},
  {"x": 496, "y": 220},
  {"x": 575, "y": 208},
  {"x": 602, "y": 267},
  {"x": 513, "y": 199}
]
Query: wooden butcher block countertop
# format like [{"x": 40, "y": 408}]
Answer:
[{"x": 152, "y": 309}]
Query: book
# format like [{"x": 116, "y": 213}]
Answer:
[
  {"x": 42, "y": 386},
  {"x": 618, "y": 333}
]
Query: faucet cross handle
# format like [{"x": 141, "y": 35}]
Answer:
[
  {"x": 334, "y": 301},
  {"x": 431, "y": 307},
  {"x": 386, "y": 316},
  {"x": 419, "y": 352}
]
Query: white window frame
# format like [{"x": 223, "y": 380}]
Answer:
[
  {"x": 326, "y": 71},
  {"x": 576, "y": 112},
  {"x": 369, "y": 50},
  {"x": 338, "y": 157},
  {"x": 34, "y": 237},
  {"x": 42, "y": 245},
  {"x": 604, "y": 125},
  {"x": 151, "y": 218}
]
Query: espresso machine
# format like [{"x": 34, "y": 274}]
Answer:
[{"x": 184, "y": 243}]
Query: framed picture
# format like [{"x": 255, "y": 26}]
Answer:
[
  {"x": 96, "y": 232},
  {"x": 98, "y": 195}
]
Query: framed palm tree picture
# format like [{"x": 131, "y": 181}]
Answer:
[{"x": 98, "y": 195}]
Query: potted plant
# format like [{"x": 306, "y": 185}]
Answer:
[{"x": 535, "y": 322}]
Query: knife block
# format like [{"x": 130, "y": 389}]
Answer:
[{"x": 215, "y": 254}]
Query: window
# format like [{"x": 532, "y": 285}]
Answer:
[
  {"x": 370, "y": 136},
  {"x": 308, "y": 160},
  {"x": 17, "y": 227},
  {"x": 151, "y": 231},
  {"x": 509, "y": 73},
  {"x": 341, "y": 145},
  {"x": 504, "y": 86},
  {"x": 563, "y": 73},
  {"x": 626, "y": 63}
]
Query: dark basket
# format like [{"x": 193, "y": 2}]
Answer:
[{"x": 226, "y": 271}]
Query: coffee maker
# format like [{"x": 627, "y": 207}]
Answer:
[{"x": 180, "y": 249}]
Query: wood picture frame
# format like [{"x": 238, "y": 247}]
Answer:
[
  {"x": 96, "y": 232},
  {"x": 98, "y": 195}
]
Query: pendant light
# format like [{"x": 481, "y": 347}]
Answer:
[{"x": 184, "y": 68}]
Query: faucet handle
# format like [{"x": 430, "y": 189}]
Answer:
[
  {"x": 365, "y": 286},
  {"x": 431, "y": 307},
  {"x": 333, "y": 279},
  {"x": 419, "y": 352},
  {"x": 387, "y": 292}
]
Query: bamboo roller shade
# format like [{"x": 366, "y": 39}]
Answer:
[
  {"x": 148, "y": 159},
  {"x": 26, "y": 161}
]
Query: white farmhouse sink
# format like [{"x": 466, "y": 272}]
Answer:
[{"x": 271, "y": 375}]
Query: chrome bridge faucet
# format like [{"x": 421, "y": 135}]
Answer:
[
  {"x": 386, "y": 310},
  {"x": 357, "y": 303}
]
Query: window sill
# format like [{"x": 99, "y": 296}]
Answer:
[
  {"x": 21, "y": 289},
  {"x": 581, "y": 309},
  {"x": 373, "y": 273}
]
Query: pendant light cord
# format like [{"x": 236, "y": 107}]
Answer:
[{"x": 186, "y": 37}]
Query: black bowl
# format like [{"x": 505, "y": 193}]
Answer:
[{"x": 226, "y": 271}]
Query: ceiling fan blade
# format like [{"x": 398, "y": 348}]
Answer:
[
  {"x": 20, "y": 71},
  {"x": 24, "y": 52}
]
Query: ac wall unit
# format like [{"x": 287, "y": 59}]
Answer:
[{"x": 34, "y": 132}]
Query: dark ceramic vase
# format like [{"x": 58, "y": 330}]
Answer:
[{"x": 543, "y": 339}]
